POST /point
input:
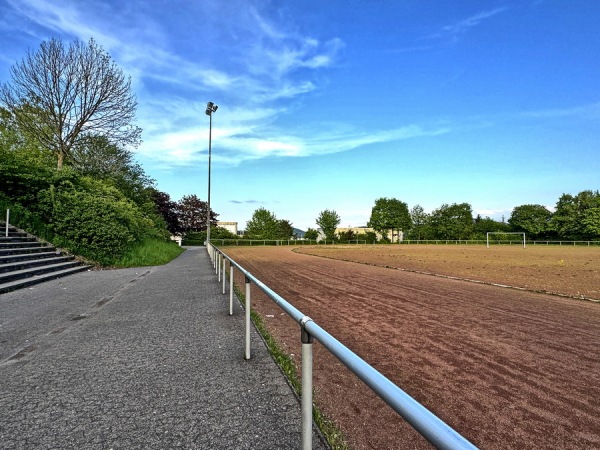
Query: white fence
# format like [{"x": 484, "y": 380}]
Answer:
[{"x": 295, "y": 242}]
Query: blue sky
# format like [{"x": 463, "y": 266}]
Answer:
[{"x": 331, "y": 105}]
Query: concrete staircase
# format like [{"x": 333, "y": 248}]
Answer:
[{"x": 25, "y": 261}]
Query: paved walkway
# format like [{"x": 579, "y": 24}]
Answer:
[{"x": 138, "y": 358}]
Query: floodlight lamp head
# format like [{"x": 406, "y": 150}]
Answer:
[{"x": 210, "y": 108}]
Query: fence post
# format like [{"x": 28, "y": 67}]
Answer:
[
  {"x": 7, "y": 219},
  {"x": 307, "y": 385},
  {"x": 230, "y": 289},
  {"x": 248, "y": 305}
]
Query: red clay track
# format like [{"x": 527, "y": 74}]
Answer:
[{"x": 505, "y": 368}]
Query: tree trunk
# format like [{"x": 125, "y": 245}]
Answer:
[{"x": 61, "y": 158}]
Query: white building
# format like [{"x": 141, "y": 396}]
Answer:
[
  {"x": 396, "y": 236},
  {"x": 229, "y": 226}
]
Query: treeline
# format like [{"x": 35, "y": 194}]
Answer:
[{"x": 575, "y": 218}]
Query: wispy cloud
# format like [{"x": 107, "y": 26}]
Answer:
[
  {"x": 250, "y": 202},
  {"x": 60, "y": 19},
  {"x": 457, "y": 29},
  {"x": 451, "y": 33},
  {"x": 590, "y": 111}
]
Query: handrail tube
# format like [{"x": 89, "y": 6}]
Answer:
[{"x": 431, "y": 427}]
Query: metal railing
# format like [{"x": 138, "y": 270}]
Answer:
[{"x": 432, "y": 428}]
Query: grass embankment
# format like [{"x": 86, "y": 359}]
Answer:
[{"x": 151, "y": 252}]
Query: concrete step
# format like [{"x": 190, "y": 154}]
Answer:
[
  {"x": 31, "y": 263},
  {"x": 14, "y": 238},
  {"x": 17, "y": 244},
  {"x": 25, "y": 250},
  {"x": 35, "y": 279},
  {"x": 25, "y": 261},
  {"x": 11, "y": 229},
  {"x": 27, "y": 256},
  {"x": 26, "y": 273}
]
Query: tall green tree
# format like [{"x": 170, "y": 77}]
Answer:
[
  {"x": 61, "y": 95},
  {"x": 531, "y": 219},
  {"x": 390, "y": 214},
  {"x": 286, "y": 229},
  {"x": 575, "y": 216},
  {"x": 328, "y": 220},
  {"x": 263, "y": 225},
  {"x": 452, "y": 221},
  {"x": 420, "y": 222},
  {"x": 590, "y": 223}
]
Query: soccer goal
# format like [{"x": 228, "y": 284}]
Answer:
[{"x": 487, "y": 236}]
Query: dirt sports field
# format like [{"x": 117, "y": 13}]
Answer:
[{"x": 507, "y": 368}]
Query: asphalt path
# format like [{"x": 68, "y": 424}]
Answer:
[{"x": 138, "y": 358}]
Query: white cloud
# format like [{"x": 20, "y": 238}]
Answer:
[{"x": 240, "y": 137}]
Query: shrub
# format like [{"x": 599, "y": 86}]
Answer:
[
  {"x": 194, "y": 238},
  {"x": 96, "y": 222}
]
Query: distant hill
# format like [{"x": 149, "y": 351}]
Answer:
[{"x": 299, "y": 233}]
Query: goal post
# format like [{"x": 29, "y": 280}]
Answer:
[{"x": 487, "y": 236}]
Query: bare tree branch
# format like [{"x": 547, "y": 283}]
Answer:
[{"x": 63, "y": 95}]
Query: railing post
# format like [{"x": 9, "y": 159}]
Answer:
[
  {"x": 230, "y": 289},
  {"x": 248, "y": 305},
  {"x": 307, "y": 385},
  {"x": 7, "y": 219},
  {"x": 224, "y": 263},
  {"x": 219, "y": 258}
]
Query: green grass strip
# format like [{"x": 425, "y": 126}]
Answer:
[{"x": 151, "y": 252}]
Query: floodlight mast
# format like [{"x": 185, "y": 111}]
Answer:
[{"x": 210, "y": 109}]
